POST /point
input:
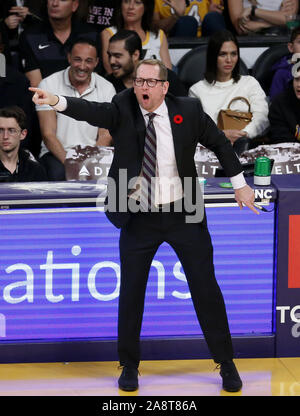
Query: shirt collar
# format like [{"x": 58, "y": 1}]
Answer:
[{"x": 162, "y": 110}]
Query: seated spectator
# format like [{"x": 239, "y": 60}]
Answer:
[
  {"x": 100, "y": 13},
  {"x": 124, "y": 52},
  {"x": 223, "y": 82},
  {"x": 263, "y": 16},
  {"x": 189, "y": 18},
  {"x": 15, "y": 16},
  {"x": 59, "y": 132},
  {"x": 44, "y": 46},
  {"x": 137, "y": 15},
  {"x": 16, "y": 164},
  {"x": 283, "y": 68},
  {"x": 14, "y": 91},
  {"x": 284, "y": 113}
]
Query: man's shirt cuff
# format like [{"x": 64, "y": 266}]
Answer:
[{"x": 238, "y": 181}]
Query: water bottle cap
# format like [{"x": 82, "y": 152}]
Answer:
[{"x": 262, "y": 166}]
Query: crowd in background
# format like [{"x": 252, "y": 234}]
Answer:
[{"x": 89, "y": 49}]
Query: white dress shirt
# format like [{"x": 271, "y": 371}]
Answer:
[{"x": 168, "y": 186}]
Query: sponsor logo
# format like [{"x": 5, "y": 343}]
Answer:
[
  {"x": 263, "y": 193},
  {"x": 294, "y": 316},
  {"x": 84, "y": 171},
  {"x": 11, "y": 296},
  {"x": 43, "y": 46},
  {"x": 294, "y": 252},
  {"x": 94, "y": 171},
  {"x": 288, "y": 314}
]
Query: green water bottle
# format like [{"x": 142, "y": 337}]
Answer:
[{"x": 262, "y": 171}]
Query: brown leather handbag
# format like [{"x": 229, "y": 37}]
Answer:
[{"x": 232, "y": 119}]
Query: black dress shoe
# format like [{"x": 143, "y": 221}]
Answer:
[
  {"x": 231, "y": 379},
  {"x": 128, "y": 380}
]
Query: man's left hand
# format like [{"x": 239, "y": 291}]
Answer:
[{"x": 245, "y": 196}]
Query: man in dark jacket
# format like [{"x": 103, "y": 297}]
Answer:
[
  {"x": 16, "y": 165},
  {"x": 284, "y": 114},
  {"x": 154, "y": 162},
  {"x": 15, "y": 16},
  {"x": 14, "y": 91},
  {"x": 44, "y": 47}
]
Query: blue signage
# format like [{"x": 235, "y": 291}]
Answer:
[{"x": 60, "y": 276}]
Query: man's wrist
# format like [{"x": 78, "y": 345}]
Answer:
[
  {"x": 57, "y": 101},
  {"x": 61, "y": 104}
]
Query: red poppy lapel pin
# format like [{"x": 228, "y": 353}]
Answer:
[{"x": 178, "y": 119}]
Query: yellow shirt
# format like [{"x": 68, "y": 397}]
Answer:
[{"x": 196, "y": 8}]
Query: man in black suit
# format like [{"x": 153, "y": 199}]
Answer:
[{"x": 178, "y": 124}]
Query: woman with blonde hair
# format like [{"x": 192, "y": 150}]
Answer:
[{"x": 137, "y": 15}]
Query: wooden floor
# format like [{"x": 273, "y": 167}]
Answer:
[{"x": 261, "y": 377}]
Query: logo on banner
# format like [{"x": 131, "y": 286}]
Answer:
[
  {"x": 294, "y": 252},
  {"x": 84, "y": 171},
  {"x": 51, "y": 267},
  {"x": 288, "y": 313},
  {"x": 88, "y": 162},
  {"x": 293, "y": 314}
]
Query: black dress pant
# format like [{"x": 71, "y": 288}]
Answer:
[{"x": 139, "y": 241}]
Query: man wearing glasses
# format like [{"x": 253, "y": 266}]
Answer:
[
  {"x": 155, "y": 137},
  {"x": 16, "y": 164}
]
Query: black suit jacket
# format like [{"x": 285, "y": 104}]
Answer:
[{"x": 124, "y": 119}]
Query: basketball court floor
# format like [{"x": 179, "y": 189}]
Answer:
[{"x": 261, "y": 377}]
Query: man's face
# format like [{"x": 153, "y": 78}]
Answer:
[
  {"x": 121, "y": 62},
  {"x": 83, "y": 60},
  {"x": 296, "y": 84},
  {"x": 10, "y": 134},
  {"x": 150, "y": 98},
  {"x": 61, "y": 9}
]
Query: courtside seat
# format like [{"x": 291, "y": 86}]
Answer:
[
  {"x": 262, "y": 68},
  {"x": 191, "y": 66}
]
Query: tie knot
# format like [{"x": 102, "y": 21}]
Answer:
[{"x": 151, "y": 116}]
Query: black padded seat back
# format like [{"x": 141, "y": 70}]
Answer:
[{"x": 262, "y": 68}]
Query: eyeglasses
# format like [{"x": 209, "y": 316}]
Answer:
[
  {"x": 10, "y": 132},
  {"x": 151, "y": 82}
]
